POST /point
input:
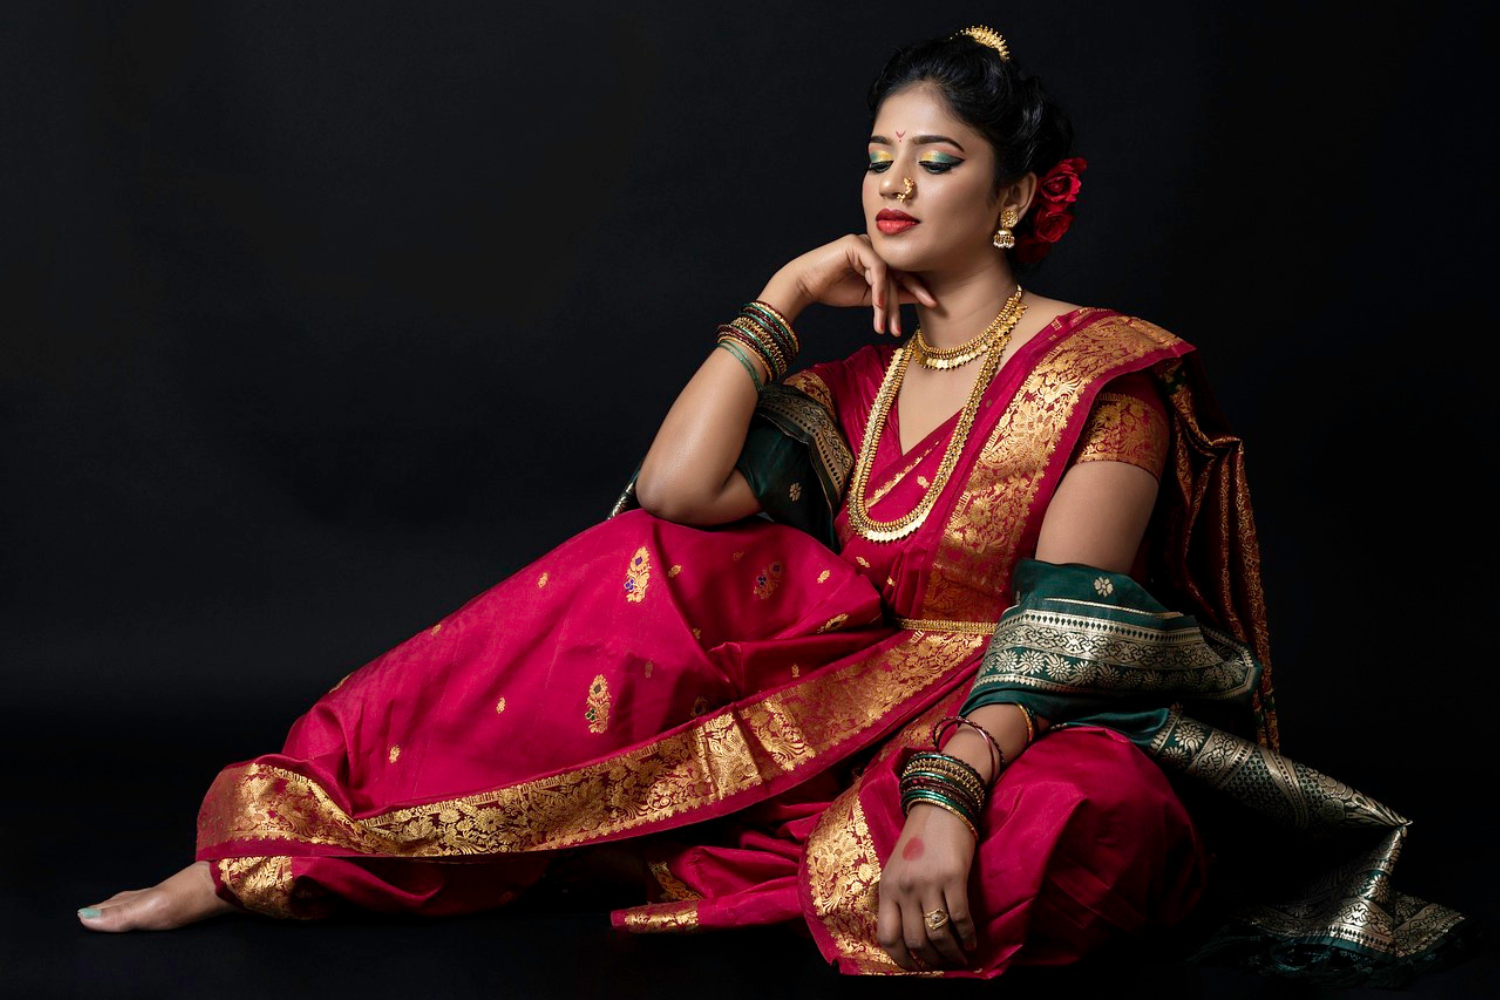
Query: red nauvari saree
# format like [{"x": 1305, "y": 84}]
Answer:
[{"x": 646, "y": 676}]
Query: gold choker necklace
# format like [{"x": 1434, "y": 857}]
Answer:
[
  {"x": 953, "y": 357},
  {"x": 859, "y": 514}
]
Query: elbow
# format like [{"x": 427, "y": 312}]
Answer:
[{"x": 666, "y": 500}]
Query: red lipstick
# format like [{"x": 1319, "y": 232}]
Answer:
[{"x": 892, "y": 221}]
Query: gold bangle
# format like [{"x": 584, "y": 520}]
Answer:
[
  {"x": 1030, "y": 726},
  {"x": 953, "y": 810}
]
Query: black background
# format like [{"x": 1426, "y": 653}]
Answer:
[{"x": 321, "y": 318}]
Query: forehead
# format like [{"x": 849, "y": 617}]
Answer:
[{"x": 920, "y": 109}]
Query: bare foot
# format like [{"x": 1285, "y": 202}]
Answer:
[{"x": 176, "y": 901}]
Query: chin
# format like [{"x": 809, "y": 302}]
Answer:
[{"x": 899, "y": 251}]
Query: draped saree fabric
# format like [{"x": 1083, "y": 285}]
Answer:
[
  {"x": 1081, "y": 646},
  {"x": 731, "y": 702}
]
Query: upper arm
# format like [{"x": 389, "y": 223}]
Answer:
[{"x": 1099, "y": 513}]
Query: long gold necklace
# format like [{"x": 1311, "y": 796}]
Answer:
[
  {"x": 859, "y": 514},
  {"x": 953, "y": 357}
]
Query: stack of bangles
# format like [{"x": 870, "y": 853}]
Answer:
[
  {"x": 951, "y": 784},
  {"x": 760, "y": 332}
]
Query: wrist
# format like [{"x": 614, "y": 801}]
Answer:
[{"x": 785, "y": 294}]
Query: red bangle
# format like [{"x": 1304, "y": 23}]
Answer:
[{"x": 999, "y": 755}]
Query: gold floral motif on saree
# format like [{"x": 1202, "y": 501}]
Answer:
[
  {"x": 541, "y": 581},
  {"x": 891, "y": 483},
  {"x": 597, "y": 705},
  {"x": 731, "y": 751},
  {"x": 767, "y": 580},
  {"x": 673, "y": 888},
  {"x": 663, "y": 918},
  {"x": 638, "y": 576},
  {"x": 1122, "y": 428},
  {"x": 267, "y": 886},
  {"x": 837, "y": 621},
  {"x": 982, "y": 537}
]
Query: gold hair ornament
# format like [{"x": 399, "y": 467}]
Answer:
[{"x": 986, "y": 36}]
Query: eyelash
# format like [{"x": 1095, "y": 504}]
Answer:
[{"x": 880, "y": 166}]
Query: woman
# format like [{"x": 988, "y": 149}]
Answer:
[{"x": 739, "y": 701}]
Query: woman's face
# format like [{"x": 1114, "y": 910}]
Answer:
[{"x": 953, "y": 167}]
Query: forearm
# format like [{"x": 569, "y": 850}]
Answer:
[
  {"x": 688, "y": 468},
  {"x": 1002, "y": 721}
]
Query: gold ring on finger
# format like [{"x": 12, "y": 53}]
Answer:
[{"x": 936, "y": 919}]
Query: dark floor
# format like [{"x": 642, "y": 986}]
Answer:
[{"x": 89, "y": 812}]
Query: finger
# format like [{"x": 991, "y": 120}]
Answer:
[
  {"x": 962, "y": 919},
  {"x": 942, "y": 938},
  {"x": 893, "y": 302},
  {"x": 918, "y": 290},
  {"x": 879, "y": 285},
  {"x": 914, "y": 933},
  {"x": 889, "y": 932}
]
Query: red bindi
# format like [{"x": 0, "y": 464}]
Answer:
[
  {"x": 913, "y": 849},
  {"x": 900, "y": 134}
]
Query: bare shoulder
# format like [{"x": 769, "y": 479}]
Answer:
[{"x": 1042, "y": 310}]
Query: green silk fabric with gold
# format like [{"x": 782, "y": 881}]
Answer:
[{"x": 1086, "y": 647}]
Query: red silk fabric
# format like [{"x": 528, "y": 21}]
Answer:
[{"x": 428, "y": 780}]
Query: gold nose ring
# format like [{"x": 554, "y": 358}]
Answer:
[{"x": 905, "y": 193}]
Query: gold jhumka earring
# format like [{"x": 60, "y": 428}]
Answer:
[
  {"x": 906, "y": 192},
  {"x": 1005, "y": 239}
]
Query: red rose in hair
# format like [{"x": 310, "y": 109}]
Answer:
[
  {"x": 1062, "y": 182},
  {"x": 1050, "y": 217},
  {"x": 1050, "y": 226}
]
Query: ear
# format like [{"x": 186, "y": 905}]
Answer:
[{"x": 1018, "y": 195}]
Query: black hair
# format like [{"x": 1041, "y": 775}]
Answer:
[{"x": 996, "y": 98}]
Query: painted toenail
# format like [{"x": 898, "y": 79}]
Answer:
[{"x": 89, "y": 912}]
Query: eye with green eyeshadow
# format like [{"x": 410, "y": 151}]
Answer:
[
  {"x": 939, "y": 163},
  {"x": 879, "y": 161}
]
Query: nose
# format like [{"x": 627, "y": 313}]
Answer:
[{"x": 899, "y": 189}]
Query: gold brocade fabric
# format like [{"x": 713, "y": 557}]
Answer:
[
  {"x": 1125, "y": 429},
  {"x": 724, "y": 754}
]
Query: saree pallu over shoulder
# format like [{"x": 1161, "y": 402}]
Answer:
[{"x": 1086, "y": 647}]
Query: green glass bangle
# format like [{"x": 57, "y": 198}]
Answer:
[
  {"x": 943, "y": 804},
  {"x": 773, "y": 329},
  {"x": 775, "y": 317},
  {"x": 750, "y": 343},
  {"x": 968, "y": 786},
  {"x": 740, "y": 356},
  {"x": 777, "y": 359}
]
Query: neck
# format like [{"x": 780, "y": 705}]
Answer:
[{"x": 968, "y": 300}]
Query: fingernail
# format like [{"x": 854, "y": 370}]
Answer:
[{"x": 89, "y": 912}]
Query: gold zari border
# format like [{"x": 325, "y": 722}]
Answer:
[
  {"x": 735, "y": 750},
  {"x": 982, "y": 537}
]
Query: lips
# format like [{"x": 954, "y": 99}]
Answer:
[{"x": 891, "y": 221}]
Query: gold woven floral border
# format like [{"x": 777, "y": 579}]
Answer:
[
  {"x": 843, "y": 867},
  {"x": 662, "y": 918},
  {"x": 982, "y": 538},
  {"x": 736, "y": 750}
]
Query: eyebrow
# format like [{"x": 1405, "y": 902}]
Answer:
[{"x": 920, "y": 140}]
